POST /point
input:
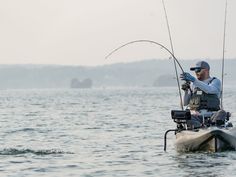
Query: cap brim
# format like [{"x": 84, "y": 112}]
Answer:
[{"x": 193, "y": 68}]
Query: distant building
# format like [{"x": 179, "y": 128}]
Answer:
[{"x": 86, "y": 83}]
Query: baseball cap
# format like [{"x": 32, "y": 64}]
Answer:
[{"x": 202, "y": 65}]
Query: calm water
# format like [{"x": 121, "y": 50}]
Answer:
[{"x": 99, "y": 132}]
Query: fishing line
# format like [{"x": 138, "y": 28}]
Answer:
[
  {"x": 223, "y": 58},
  {"x": 172, "y": 48}
]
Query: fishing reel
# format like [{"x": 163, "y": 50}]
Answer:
[{"x": 185, "y": 86}]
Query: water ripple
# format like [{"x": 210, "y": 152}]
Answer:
[{"x": 14, "y": 151}]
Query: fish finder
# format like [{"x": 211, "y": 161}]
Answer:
[{"x": 180, "y": 115}]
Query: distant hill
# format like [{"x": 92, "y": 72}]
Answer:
[
  {"x": 166, "y": 80},
  {"x": 144, "y": 73}
]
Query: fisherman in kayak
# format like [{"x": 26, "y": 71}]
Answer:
[{"x": 201, "y": 94}]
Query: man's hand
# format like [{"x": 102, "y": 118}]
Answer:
[{"x": 187, "y": 77}]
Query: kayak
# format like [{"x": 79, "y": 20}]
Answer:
[
  {"x": 211, "y": 136},
  {"x": 212, "y": 139}
]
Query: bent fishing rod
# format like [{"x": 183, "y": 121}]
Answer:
[
  {"x": 170, "y": 52},
  {"x": 147, "y": 41}
]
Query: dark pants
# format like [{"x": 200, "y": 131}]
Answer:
[
  {"x": 195, "y": 122},
  {"x": 218, "y": 118}
]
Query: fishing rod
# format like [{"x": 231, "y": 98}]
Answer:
[
  {"x": 172, "y": 48},
  {"x": 170, "y": 52},
  {"x": 223, "y": 58},
  {"x": 147, "y": 41}
]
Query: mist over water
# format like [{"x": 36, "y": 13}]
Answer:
[{"x": 99, "y": 132}]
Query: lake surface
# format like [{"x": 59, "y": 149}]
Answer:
[{"x": 99, "y": 132}]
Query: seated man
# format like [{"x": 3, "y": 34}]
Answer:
[{"x": 201, "y": 94}]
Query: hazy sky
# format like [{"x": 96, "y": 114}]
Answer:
[{"x": 83, "y": 32}]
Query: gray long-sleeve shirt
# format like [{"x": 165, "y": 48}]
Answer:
[{"x": 212, "y": 88}]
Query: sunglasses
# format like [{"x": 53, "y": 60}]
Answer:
[{"x": 198, "y": 70}]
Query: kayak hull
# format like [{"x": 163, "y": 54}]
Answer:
[{"x": 212, "y": 139}]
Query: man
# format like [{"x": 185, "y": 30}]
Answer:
[{"x": 202, "y": 96}]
